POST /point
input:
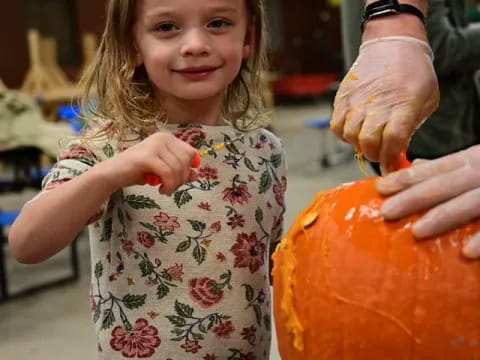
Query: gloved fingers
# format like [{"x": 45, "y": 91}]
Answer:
[
  {"x": 449, "y": 215},
  {"x": 370, "y": 136},
  {"x": 353, "y": 124},
  {"x": 396, "y": 136},
  {"x": 340, "y": 109},
  {"x": 429, "y": 193},
  {"x": 471, "y": 249}
]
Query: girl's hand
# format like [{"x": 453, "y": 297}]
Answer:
[
  {"x": 449, "y": 188},
  {"x": 160, "y": 154}
]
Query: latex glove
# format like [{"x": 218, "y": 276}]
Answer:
[
  {"x": 389, "y": 91},
  {"x": 449, "y": 187}
]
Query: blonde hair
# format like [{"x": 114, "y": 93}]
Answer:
[{"x": 124, "y": 96}]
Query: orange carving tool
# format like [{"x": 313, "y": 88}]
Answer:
[{"x": 154, "y": 180}]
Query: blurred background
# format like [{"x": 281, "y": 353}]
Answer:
[{"x": 45, "y": 44}]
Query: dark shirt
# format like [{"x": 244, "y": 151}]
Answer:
[{"x": 456, "y": 46}]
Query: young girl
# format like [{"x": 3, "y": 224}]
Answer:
[{"x": 179, "y": 271}]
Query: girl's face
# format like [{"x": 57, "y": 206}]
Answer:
[{"x": 192, "y": 50}]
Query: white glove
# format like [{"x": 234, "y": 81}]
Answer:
[
  {"x": 389, "y": 91},
  {"x": 449, "y": 186}
]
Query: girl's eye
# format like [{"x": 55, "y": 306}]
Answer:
[
  {"x": 166, "y": 27},
  {"x": 219, "y": 23}
]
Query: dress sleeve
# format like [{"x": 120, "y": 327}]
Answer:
[{"x": 73, "y": 161}]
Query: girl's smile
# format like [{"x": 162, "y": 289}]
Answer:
[{"x": 197, "y": 73}]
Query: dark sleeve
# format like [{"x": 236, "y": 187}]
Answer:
[{"x": 454, "y": 47}]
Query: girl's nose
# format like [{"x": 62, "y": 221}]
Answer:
[{"x": 195, "y": 43}]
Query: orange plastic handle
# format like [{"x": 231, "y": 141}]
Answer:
[
  {"x": 403, "y": 162},
  {"x": 154, "y": 180}
]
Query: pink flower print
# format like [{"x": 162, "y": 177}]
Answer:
[
  {"x": 192, "y": 136},
  {"x": 207, "y": 172},
  {"x": 205, "y": 206},
  {"x": 236, "y": 194},
  {"x": 93, "y": 304},
  {"x": 249, "y": 334},
  {"x": 203, "y": 292},
  {"x": 216, "y": 227},
  {"x": 280, "y": 191},
  {"x": 221, "y": 257},
  {"x": 165, "y": 222},
  {"x": 248, "y": 251},
  {"x": 54, "y": 184},
  {"x": 236, "y": 220},
  {"x": 223, "y": 330},
  {"x": 176, "y": 272},
  {"x": 76, "y": 151},
  {"x": 191, "y": 346},
  {"x": 127, "y": 246},
  {"x": 140, "y": 342},
  {"x": 261, "y": 296},
  {"x": 146, "y": 239},
  {"x": 210, "y": 357}
]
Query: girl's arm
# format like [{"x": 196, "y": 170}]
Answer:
[
  {"x": 53, "y": 219},
  {"x": 50, "y": 222}
]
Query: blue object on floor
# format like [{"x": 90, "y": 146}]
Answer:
[
  {"x": 70, "y": 113},
  {"x": 7, "y": 217},
  {"x": 319, "y": 123}
]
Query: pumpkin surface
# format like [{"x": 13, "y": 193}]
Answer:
[{"x": 348, "y": 285}]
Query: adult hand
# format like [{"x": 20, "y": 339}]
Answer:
[
  {"x": 449, "y": 187},
  {"x": 389, "y": 91}
]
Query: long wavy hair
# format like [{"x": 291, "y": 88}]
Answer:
[{"x": 124, "y": 95}]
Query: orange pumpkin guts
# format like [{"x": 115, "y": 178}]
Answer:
[{"x": 348, "y": 285}]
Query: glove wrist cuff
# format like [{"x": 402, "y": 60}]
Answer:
[{"x": 408, "y": 39}]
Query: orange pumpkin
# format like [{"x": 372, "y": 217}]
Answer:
[{"x": 348, "y": 285}]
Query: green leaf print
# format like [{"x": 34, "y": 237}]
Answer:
[
  {"x": 258, "y": 314},
  {"x": 108, "y": 150},
  {"x": 97, "y": 313},
  {"x": 267, "y": 321},
  {"x": 162, "y": 290},
  {"x": 138, "y": 202},
  {"x": 265, "y": 183},
  {"x": 182, "y": 197},
  {"x": 121, "y": 218},
  {"x": 276, "y": 160},
  {"x": 149, "y": 226},
  {"x": 229, "y": 145},
  {"x": 134, "y": 301},
  {"x": 183, "y": 310},
  {"x": 176, "y": 321},
  {"x": 259, "y": 215},
  {"x": 184, "y": 246},
  {"x": 197, "y": 225},
  {"x": 146, "y": 267},
  {"x": 249, "y": 165},
  {"x": 107, "y": 231},
  {"x": 108, "y": 319},
  {"x": 98, "y": 270},
  {"x": 249, "y": 293},
  {"x": 199, "y": 254}
]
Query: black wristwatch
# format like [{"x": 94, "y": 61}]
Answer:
[{"x": 389, "y": 7}]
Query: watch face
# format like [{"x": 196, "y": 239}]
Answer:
[{"x": 383, "y": 5}]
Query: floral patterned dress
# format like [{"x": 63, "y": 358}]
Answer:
[{"x": 186, "y": 277}]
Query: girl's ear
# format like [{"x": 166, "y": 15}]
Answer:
[{"x": 249, "y": 42}]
